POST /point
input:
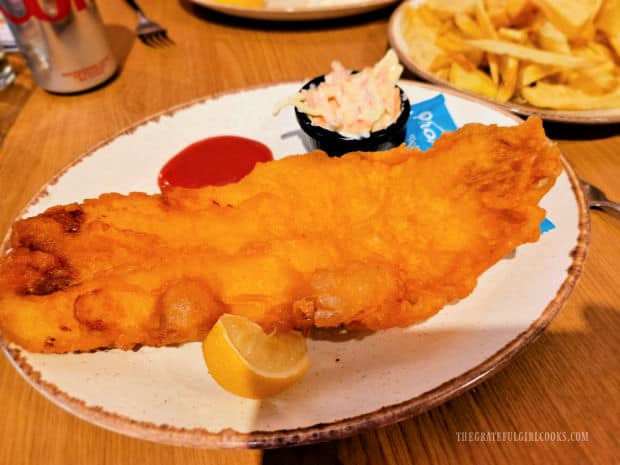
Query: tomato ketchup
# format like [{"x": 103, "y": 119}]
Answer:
[{"x": 214, "y": 161}]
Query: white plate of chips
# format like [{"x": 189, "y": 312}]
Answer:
[{"x": 527, "y": 56}]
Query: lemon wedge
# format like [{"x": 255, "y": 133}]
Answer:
[{"x": 246, "y": 361}]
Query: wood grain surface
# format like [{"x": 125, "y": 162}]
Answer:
[{"x": 567, "y": 381}]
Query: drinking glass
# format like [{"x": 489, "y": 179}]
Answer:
[{"x": 7, "y": 75}]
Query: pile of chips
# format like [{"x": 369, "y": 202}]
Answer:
[{"x": 557, "y": 54}]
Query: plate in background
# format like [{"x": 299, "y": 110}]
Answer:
[
  {"x": 302, "y": 10},
  {"x": 399, "y": 44}
]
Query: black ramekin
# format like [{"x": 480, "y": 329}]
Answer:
[{"x": 335, "y": 144}]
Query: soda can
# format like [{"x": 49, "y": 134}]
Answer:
[{"x": 63, "y": 41}]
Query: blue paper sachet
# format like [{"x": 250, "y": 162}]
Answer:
[
  {"x": 546, "y": 226},
  {"x": 428, "y": 120}
]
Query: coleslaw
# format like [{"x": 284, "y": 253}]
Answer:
[{"x": 353, "y": 104}]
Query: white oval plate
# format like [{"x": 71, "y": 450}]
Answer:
[
  {"x": 300, "y": 10},
  {"x": 399, "y": 44},
  {"x": 166, "y": 394}
]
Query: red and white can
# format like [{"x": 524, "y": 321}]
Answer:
[{"x": 63, "y": 41}]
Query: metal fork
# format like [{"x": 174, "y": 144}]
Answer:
[
  {"x": 596, "y": 198},
  {"x": 149, "y": 32}
]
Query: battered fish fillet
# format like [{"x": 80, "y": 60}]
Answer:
[{"x": 368, "y": 241}]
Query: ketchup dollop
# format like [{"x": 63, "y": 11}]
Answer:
[{"x": 214, "y": 161}]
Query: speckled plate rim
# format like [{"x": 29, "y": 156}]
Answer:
[
  {"x": 591, "y": 117},
  {"x": 229, "y": 438},
  {"x": 297, "y": 13}
]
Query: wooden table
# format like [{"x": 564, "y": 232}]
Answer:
[{"x": 566, "y": 381}]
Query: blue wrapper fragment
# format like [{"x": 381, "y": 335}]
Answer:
[
  {"x": 427, "y": 121},
  {"x": 546, "y": 226}
]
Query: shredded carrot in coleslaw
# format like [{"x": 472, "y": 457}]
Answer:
[{"x": 353, "y": 104}]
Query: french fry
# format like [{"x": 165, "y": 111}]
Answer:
[
  {"x": 420, "y": 31},
  {"x": 595, "y": 80},
  {"x": 427, "y": 55},
  {"x": 454, "y": 45},
  {"x": 569, "y": 16},
  {"x": 608, "y": 22},
  {"x": 488, "y": 30},
  {"x": 429, "y": 18},
  {"x": 564, "y": 97},
  {"x": 594, "y": 83},
  {"x": 502, "y": 47},
  {"x": 498, "y": 13},
  {"x": 468, "y": 27},
  {"x": 448, "y": 8},
  {"x": 551, "y": 38},
  {"x": 473, "y": 80},
  {"x": 509, "y": 67},
  {"x": 521, "y": 12},
  {"x": 533, "y": 72},
  {"x": 484, "y": 21},
  {"x": 601, "y": 51},
  {"x": 519, "y": 36},
  {"x": 586, "y": 35},
  {"x": 493, "y": 67}
]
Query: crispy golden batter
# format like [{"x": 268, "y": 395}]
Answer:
[{"x": 368, "y": 241}]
